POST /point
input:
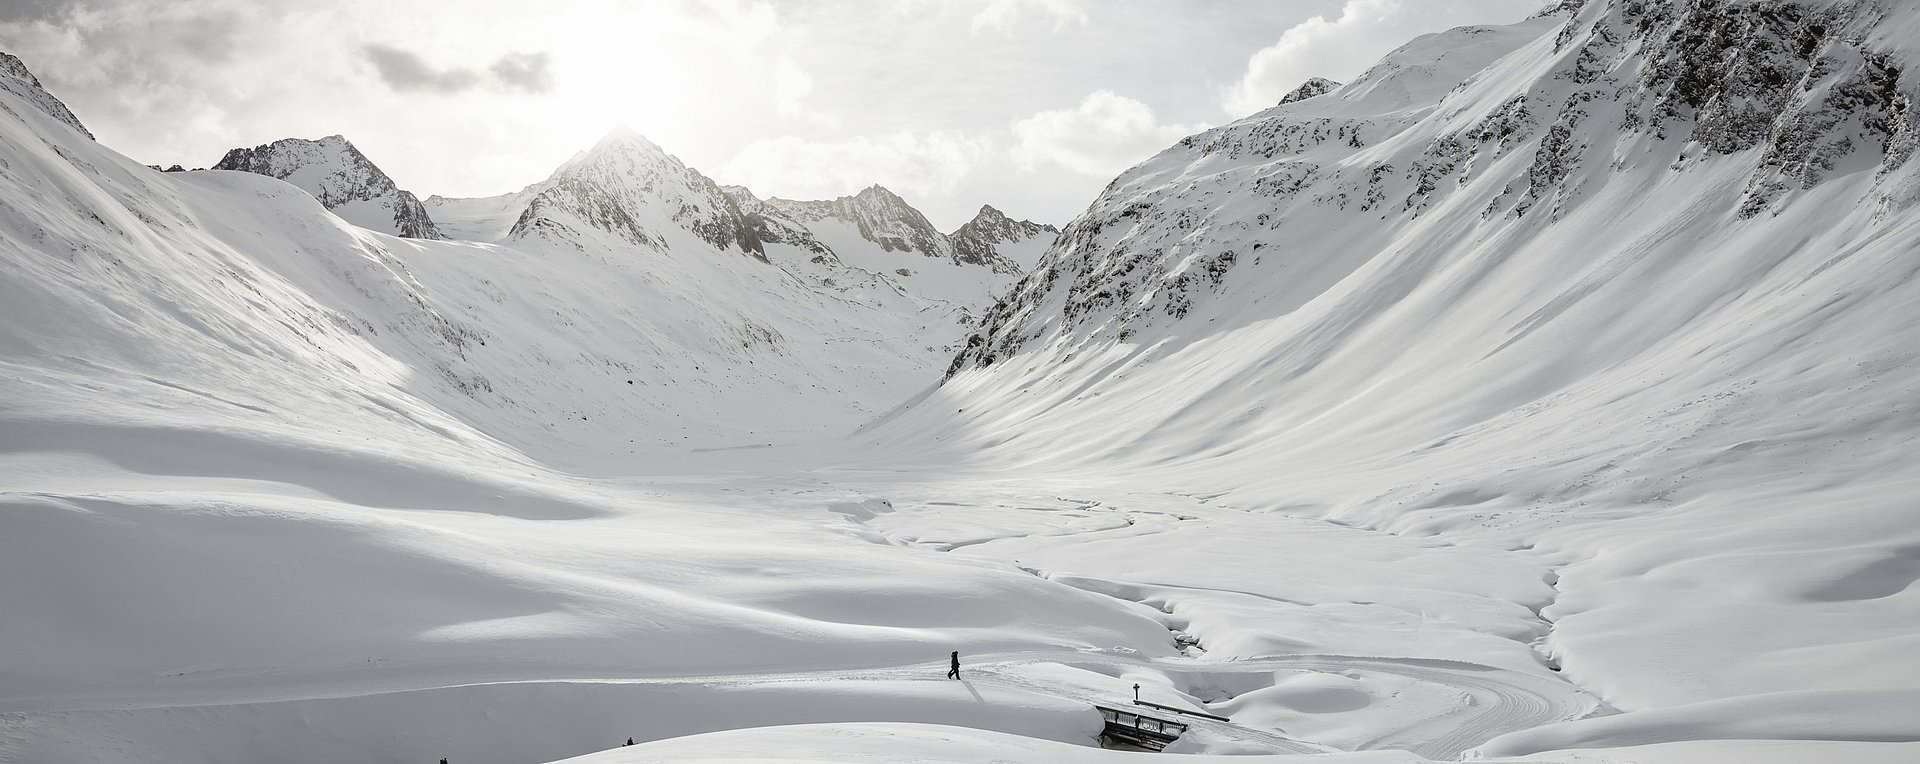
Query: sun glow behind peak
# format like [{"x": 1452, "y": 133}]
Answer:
[
  {"x": 665, "y": 71},
  {"x": 608, "y": 73}
]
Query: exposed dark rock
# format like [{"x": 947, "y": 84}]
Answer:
[
  {"x": 772, "y": 226},
  {"x": 1312, "y": 87}
]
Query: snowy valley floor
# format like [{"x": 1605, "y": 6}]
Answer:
[{"x": 238, "y": 619}]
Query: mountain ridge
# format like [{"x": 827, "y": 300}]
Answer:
[{"x": 17, "y": 79}]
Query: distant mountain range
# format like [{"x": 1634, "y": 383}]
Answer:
[{"x": 874, "y": 229}]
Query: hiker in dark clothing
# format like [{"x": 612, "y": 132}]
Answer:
[{"x": 954, "y": 673}]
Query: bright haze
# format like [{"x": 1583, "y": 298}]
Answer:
[{"x": 1030, "y": 105}]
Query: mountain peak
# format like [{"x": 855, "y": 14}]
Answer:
[
  {"x": 979, "y": 241},
  {"x": 879, "y": 193},
  {"x": 990, "y": 217},
  {"x": 342, "y": 178},
  {"x": 626, "y": 137},
  {"x": 627, "y": 185},
  {"x": 624, "y": 151}
]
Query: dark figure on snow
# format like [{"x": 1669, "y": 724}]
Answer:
[{"x": 954, "y": 673}]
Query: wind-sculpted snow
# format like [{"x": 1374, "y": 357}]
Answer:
[{"x": 342, "y": 178}]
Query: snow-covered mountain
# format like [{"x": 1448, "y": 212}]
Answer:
[
  {"x": 626, "y": 305},
  {"x": 624, "y": 174},
  {"x": 880, "y": 216},
  {"x": 1630, "y": 284},
  {"x": 871, "y": 235},
  {"x": 342, "y": 178}
]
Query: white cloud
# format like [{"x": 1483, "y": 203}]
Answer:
[
  {"x": 910, "y": 164},
  {"x": 1007, "y": 15},
  {"x": 791, "y": 86},
  {"x": 1343, "y": 48},
  {"x": 1105, "y": 134}
]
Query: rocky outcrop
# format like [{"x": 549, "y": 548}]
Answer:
[
  {"x": 772, "y": 226},
  {"x": 16, "y": 79},
  {"x": 342, "y": 178},
  {"x": 1312, "y": 87}
]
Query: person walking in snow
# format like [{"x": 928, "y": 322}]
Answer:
[{"x": 954, "y": 673}]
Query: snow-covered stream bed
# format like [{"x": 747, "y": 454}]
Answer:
[
  {"x": 660, "y": 608},
  {"x": 262, "y": 620}
]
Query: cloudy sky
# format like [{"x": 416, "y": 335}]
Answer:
[{"x": 1030, "y": 105}]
